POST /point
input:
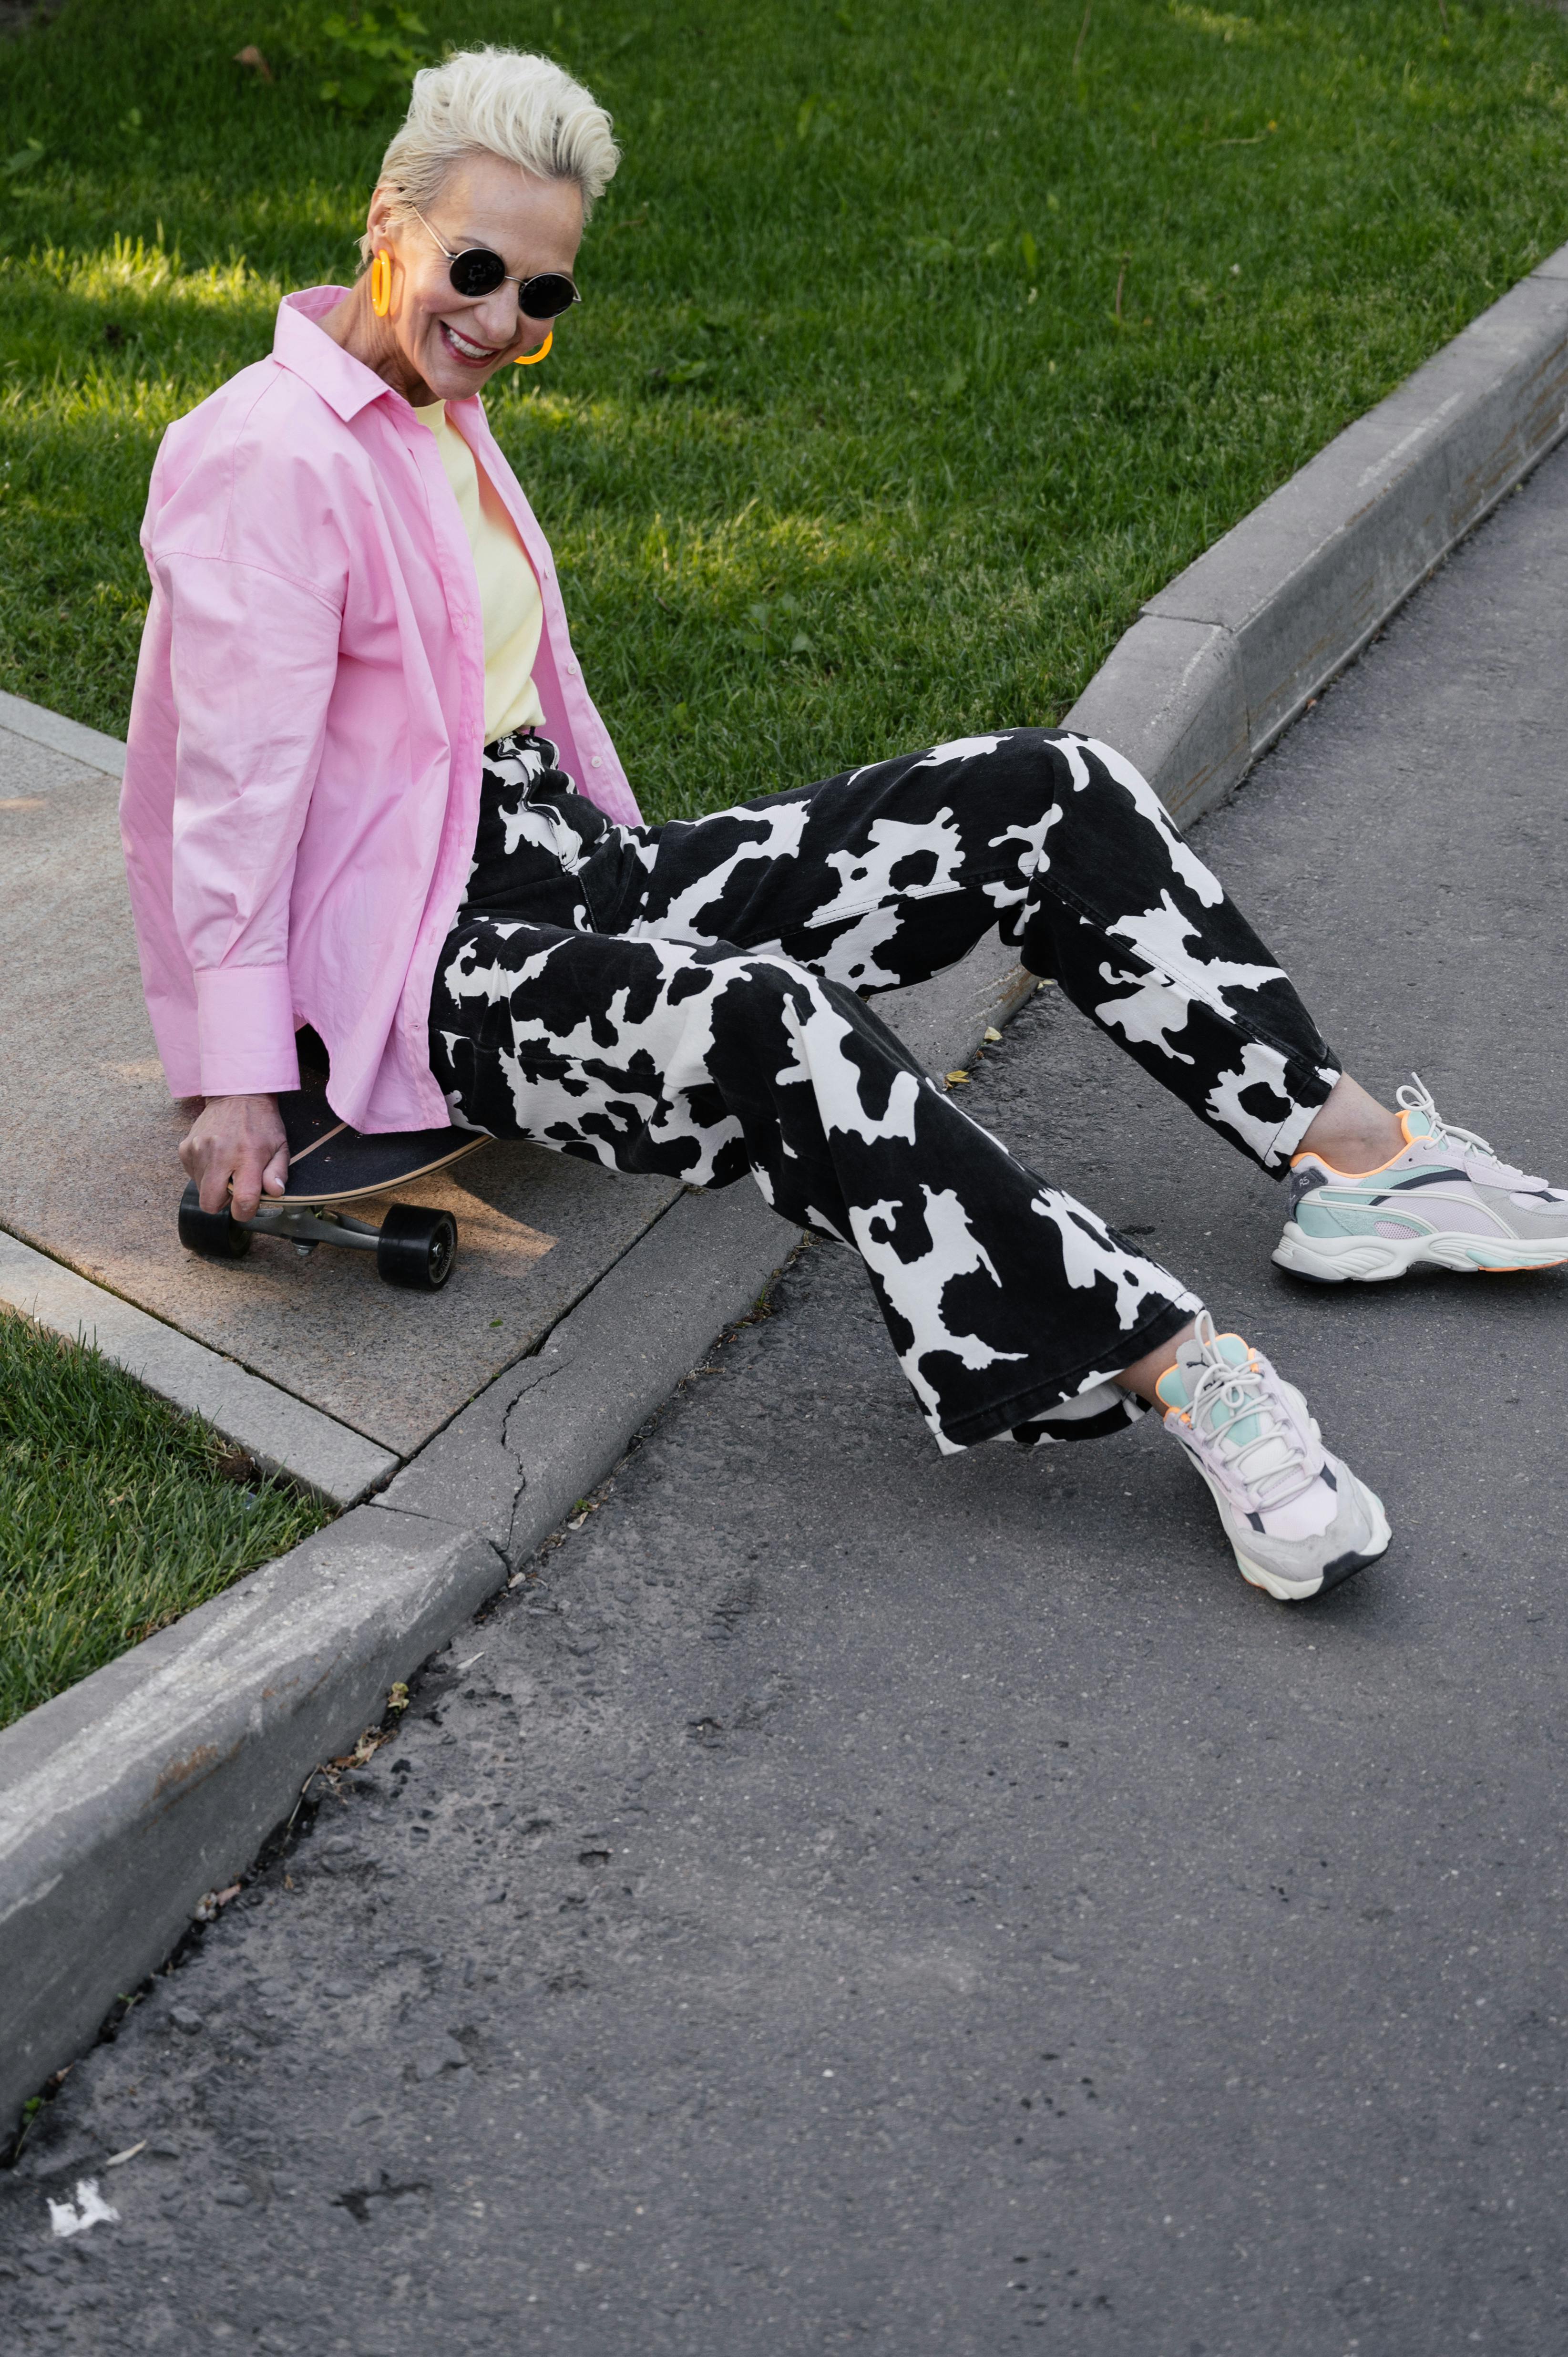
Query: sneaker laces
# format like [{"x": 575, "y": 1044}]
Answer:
[
  {"x": 1465, "y": 1142},
  {"x": 1249, "y": 1392}
]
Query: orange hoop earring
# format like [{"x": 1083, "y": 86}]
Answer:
[
  {"x": 381, "y": 285},
  {"x": 532, "y": 360}
]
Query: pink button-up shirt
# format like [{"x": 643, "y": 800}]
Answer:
[{"x": 302, "y": 780}]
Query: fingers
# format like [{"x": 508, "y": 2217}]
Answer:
[
  {"x": 241, "y": 1178},
  {"x": 214, "y": 1171},
  {"x": 246, "y": 1183}
]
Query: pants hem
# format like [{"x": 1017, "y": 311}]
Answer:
[
  {"x": 1019, "y": 1407},
  {"x": 1308, "y": 1097}
]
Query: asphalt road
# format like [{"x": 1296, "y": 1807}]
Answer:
[{"x": 847, "y": 1899}]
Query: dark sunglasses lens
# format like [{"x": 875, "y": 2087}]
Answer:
[
  {"x": 478, "y": 271},
  {"x": 547, "y": 297}
]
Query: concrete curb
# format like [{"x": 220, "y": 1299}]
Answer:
[
  {"x": 125, "y": 1799},
  {"x": 88, "y": 746},
  {"x": 121, "y": 1800},
  {"x": 282, "y": 1434},
  {"x": 157, "y": 1777},
  {"x": 1222, "y": 660},
  {"x": 516, "y": 1460}
]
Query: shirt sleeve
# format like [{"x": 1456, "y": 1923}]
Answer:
[{"x": 253, "y": 658}]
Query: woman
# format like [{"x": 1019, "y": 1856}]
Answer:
[{"x": 367, "y": 792}]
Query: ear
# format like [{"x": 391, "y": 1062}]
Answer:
[{"x": 378, "y": 219}]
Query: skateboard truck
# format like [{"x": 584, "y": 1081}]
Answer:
[{"x": 414, "y": 1248}]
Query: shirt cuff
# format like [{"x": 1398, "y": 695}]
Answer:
[{"x": 244, "y": 1019}]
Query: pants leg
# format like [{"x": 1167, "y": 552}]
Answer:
[
  {"x": 883, "y": 875},
  {"x": 1004, "y": 1298}
]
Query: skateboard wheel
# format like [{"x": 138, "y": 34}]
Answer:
[
  {"x": 416, "y": 1249},
  {"x": 216, "y": 1235}
]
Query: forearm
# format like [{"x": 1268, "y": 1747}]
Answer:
[{"x": 244, "y": 775}]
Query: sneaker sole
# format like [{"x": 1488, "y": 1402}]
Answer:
[
  {"x": 1377, "y": 1260},
  {"x": 1333, "y": 1575}
]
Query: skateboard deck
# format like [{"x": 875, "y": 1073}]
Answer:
[{"x": 329, "y": 1162}]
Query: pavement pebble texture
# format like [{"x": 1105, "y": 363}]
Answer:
[{"x": 841, "y": 1899}]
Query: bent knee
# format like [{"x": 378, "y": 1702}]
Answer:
[{"x": 1045, "y": 764}]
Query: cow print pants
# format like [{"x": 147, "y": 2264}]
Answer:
[{"x": 691, "y": 999}]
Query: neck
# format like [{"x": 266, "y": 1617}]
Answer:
[{"x": 353, "y": 324}]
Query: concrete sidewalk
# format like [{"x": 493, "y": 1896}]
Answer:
[
  {"x": 851, "y": 1899},
  {"x": 88, "y": 1172}
]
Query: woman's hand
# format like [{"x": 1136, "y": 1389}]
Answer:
[{"x": 238, "y": 1143}]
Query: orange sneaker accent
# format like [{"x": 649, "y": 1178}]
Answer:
[{"x": 1313, "y": 1153}]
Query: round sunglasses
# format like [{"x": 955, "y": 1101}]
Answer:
[{"x": 477, "y": 271}]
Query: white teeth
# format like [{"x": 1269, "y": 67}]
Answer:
[{"x": 470, "y": 352}]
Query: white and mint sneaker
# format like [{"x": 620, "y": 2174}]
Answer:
[
  {"x": 1297, "y": 1519},
  {"x": 1445, "y": 1201}
]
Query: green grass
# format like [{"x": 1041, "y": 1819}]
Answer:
[
  {"x": 115, "y": 1515},
  {"x": 847, "y": 448}
]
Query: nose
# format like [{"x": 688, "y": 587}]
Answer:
[{"x": 495, "y": 316}]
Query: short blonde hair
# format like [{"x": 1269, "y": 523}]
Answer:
[{"x": 506, "y": 102}]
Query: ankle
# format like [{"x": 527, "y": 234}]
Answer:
[
  {"x": 1142, "y": 1376},
  {"x": 1352, "y": 1132},
  {"x": 1354, "y": 1152}
]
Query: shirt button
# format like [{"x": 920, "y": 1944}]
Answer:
[
  {"x": 596, "y": 763},
  {"x": 572, "y": 670}
]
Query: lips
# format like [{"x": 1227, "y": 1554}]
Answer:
[{"x": 464, "y": 350}]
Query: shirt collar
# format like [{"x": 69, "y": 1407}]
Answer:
[{"x": 344, "y": 384}]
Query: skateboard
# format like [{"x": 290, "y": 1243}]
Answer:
[{"x": 330, "y": 1165}]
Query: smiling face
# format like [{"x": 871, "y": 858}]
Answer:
[{"x": 438, "y": 345}]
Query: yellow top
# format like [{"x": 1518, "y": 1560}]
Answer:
[{"x": 509, "y": 605}]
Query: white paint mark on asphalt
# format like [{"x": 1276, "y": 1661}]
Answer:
[{"x": 89, "y": 2209}]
